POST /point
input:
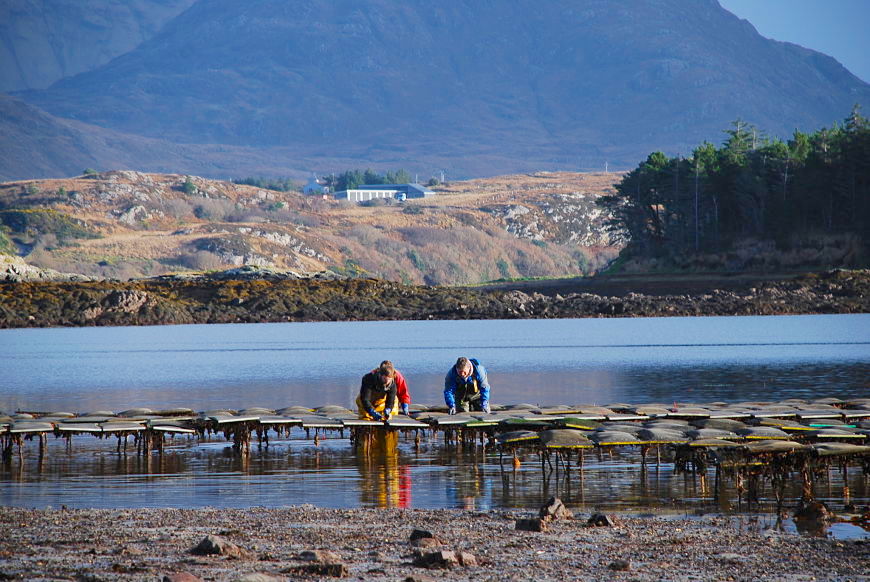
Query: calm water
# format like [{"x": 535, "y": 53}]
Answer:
[{"x": 596, "y": 361}]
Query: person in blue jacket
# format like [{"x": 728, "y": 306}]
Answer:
[{"x": 466, "y": 387}]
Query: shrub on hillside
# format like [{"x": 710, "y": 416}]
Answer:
[
  {"x": 276, "y": 184},
  {"x": 200, "y": 261},
  {"x": 178, "y": 208},
  {"x": 376, "y": 202},
  {"x": 41, "y": 222},
  {"x": 7, "y": 247},
  {"x": 214, "y": 210},
  {"x": 365, "y": 234}
]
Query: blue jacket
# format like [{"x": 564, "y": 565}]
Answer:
[{"x": 454, "y": 381}]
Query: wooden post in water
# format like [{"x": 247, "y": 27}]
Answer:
[
  {"x": 241, "y": 434},
  {"x": 567, "y": 462},
  {"x": 845, "y": 469},
  {"x": 806, "y": 484},
  {"x": 717, "y": 482},
  {"x": 738, "y": 484}
]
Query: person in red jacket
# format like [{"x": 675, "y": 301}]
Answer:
[
  {"x": 402, "y": 393},
  {"x": 383, "y": 390}
]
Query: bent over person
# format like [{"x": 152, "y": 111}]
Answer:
[
  {"x": 381, "y": 391},
  {"x": 466, "y": 387}
]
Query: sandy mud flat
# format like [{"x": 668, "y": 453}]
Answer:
[{"x": 305, "y": 542}]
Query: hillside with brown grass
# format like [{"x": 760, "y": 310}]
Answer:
[{"x": 125, "y": 224}]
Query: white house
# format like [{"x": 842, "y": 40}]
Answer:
[
  {"x": 372, "y": 191},
  {"x": 315, "y": 186}
]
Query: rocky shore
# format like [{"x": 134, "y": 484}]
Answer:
[
  {"x": 304, "y": 542},
  {"x": 261, "y": 295}
]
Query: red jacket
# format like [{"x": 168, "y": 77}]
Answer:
[{"x": 402, "y": 389}]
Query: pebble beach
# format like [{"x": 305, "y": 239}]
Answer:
[{"x": 306, "y": 542}]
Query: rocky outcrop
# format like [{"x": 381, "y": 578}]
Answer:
[
  {"x": 253, "y": 273},
  {"x": 263, "y": 295},
  {"x": 119, "y": 302},
  {"x": 16, "y": 270},
  {"x": 562, "y": 217}
]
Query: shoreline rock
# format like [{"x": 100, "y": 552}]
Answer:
[
  {"x": 255, "y": 295},
  {"x": 17, "y": 270}
]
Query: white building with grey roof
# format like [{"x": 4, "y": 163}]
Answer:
[{"x": 371, "y": 191}]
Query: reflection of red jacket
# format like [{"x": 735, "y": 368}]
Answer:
[{"x": 402, "y": 389}]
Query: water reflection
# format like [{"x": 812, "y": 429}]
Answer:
[
  {"x": 397, "y": 472},
  {"x": 385, "y": 481}
]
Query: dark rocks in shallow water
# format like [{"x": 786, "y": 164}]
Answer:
[{"x": 814, "y": 511}]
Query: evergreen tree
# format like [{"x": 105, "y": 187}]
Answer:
[{"x": 750, "y": 186}]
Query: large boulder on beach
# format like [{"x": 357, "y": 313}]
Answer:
[
  {"x": 212, "y": 545},
  {"x": 554, "y": 509},
  {"x": 445, "y": 559}
]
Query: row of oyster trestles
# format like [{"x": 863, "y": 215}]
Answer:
[
  {"x": 782, "y": 408},
  {"x": 833, "y": 411}
]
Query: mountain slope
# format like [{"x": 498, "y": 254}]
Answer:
[
  {"x": 468, "y": 86},
  {"x": 42, "y": 41},
  {"x": 36, "y": 144}
]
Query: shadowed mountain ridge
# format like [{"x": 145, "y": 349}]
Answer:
[{"x": 471, "y": 87}]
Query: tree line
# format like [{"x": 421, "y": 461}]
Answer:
[
  {"x": 351, "y": 179},
  {"x": 347, "y": 180},
  {"x": 276, "y": 184},
  {"x": 751, "y": 186}
]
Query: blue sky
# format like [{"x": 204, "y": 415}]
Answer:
[{"x": 838, "y": 28}]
